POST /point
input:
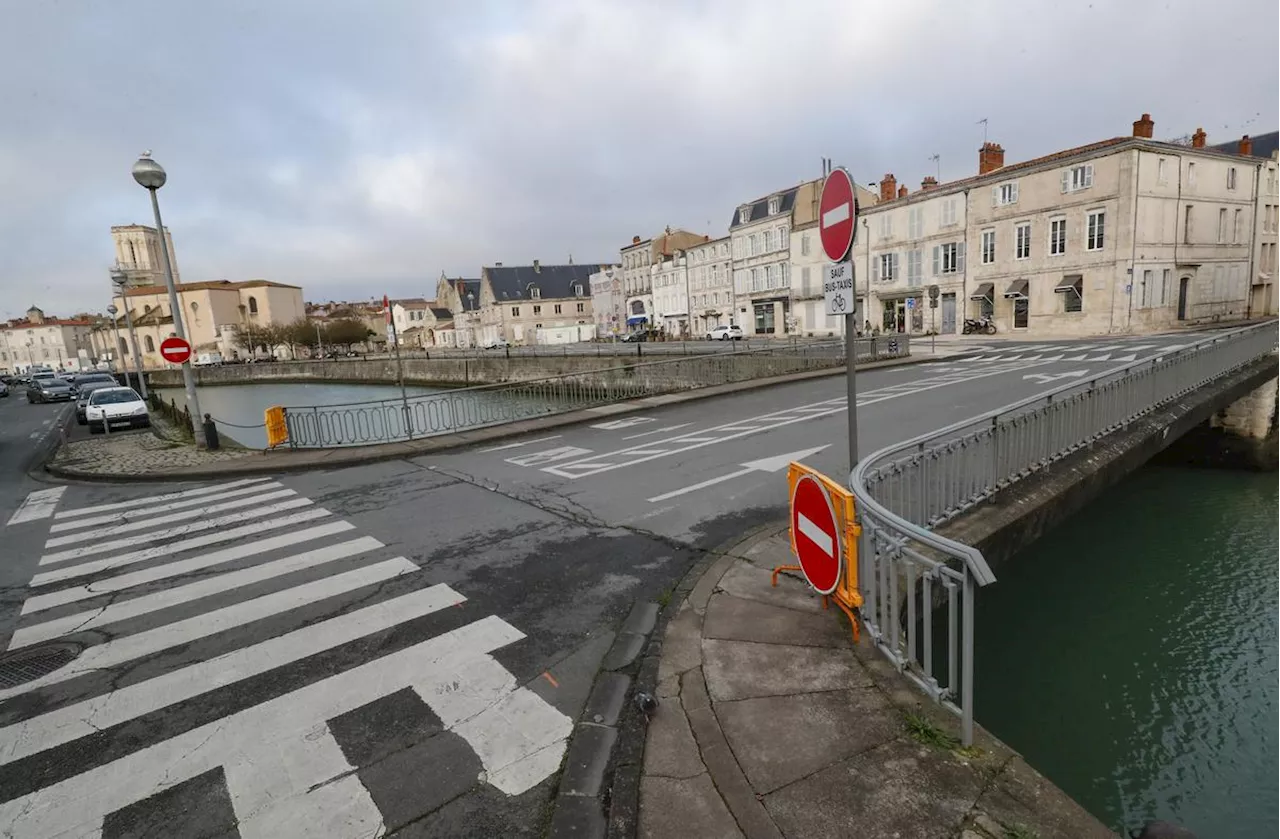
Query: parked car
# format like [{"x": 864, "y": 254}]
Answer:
[
  {"x": 208, "y": 359},
  {"x": 112, "y": 407},
  {"x": 499, "y": 344},
  {"x": 732, "y": 332},
  {"x": 83, "y": 379},
  {"x": 635, "y": 337},
  {"x": 83, "y": 392},
  {"x": 49, "y": 389},
  {"x": 4, "y": 388}
]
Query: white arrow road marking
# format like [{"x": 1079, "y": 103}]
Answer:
[
  {"x": 658, "y": 431},
  {"x": 518, "y": 445},
  {"x": 38, "y": 505},
  {"x": 809, "y": 528},
  {"x": 1044, "y": 378},
  {"x": 767, "y": 464},
  {"x": 547, "y": 456},
  {"x": 618, "y": 424}
]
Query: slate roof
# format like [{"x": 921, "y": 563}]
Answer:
[
  {"x": 552, "y": 281},
  {"x": 462, "y": 286},
  {"x": 1263, "y": 145},
  {"x": 760, "y": 207},
  {"x": 441, "y": 313}
]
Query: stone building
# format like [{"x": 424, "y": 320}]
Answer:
[
  {"x": 607, "y": 300},
  {"x": 637, "y": 260},
  {"x": 710, "y": 285},
  {"x": 41, "y": 341},
  {"x": 536, "y": 304},
  {"x": 137, "y": 250}
]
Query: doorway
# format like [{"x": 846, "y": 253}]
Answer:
[
  {"x": 1182, "y": 297},
  {"x": 948, "y": 314}
]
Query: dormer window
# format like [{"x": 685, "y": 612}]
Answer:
[
  {"x": 774, "y": 203},
  {"x": 535, "y": 292},
  {"x": 744, "y": 214},
  {"x": 577, "y": 289}
]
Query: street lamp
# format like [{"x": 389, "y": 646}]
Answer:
[
  {"x": 469, "y": 311},
  {"x": 119, "y": 277},
  {"x": 151, "y": 176},
  {"x": 115, "y": 351}
]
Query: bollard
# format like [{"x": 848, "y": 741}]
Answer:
[{"x": 210, "y": 433}]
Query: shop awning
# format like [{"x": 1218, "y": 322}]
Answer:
[
  {"x": 632, "y": 321},
  {"x": 984, "y": 292},
  {"x": 1071, "y": 282},
  {"x": 1017, "y": 290}
]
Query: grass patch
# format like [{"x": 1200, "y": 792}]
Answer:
[
  {"x": 923, "y": 731},
  {"x": 665, "y": 597}
]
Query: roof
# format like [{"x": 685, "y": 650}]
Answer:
[
  {"x": 225, "y": 285},
  {"x": 552, "y": 281},
  {"x": 760, "y": 206},
  {"x": 23, "y": 323},
  {"x": 413, "y": 302},
  {"x": 1264, "y": 145},
  {"x": 441, "y": 313},
  {"x": 463, "y": 287}
]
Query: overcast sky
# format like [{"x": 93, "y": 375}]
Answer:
[{"x": 357, "y": 148}]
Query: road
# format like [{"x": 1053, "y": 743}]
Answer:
[{"x": 398, "y": 646}]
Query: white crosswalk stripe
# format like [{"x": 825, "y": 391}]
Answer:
[
  {"x": 278, "y": 582},
  {"x": 1097, "y": 353}
]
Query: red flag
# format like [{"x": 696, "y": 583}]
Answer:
[{"x": 386, "y": 307}]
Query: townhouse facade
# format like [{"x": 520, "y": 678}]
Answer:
[
  {"x": 607, "y": 300},
  {"x": 461, "y": 297},
  {"x": 710, "y": 271},
  {"x": 1265, "y": 148},
  {"x": 636, "y": 262},
  {"x": 760, "y": 246},
  {"x": 38, "y": 340},
  {"x": 808, "y": 265},
  {"x": 536, "y": 304},
  {"x": 671, "y": 294}
]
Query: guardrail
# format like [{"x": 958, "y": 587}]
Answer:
[
  {"x": 460, "y": 409},
  {"x": 905, "y": 490}
]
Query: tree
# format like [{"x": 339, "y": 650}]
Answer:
[
  {"x": 299, "y": 333},
  {"x": 345, "y": 332}
]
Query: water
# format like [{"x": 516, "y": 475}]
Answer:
[
  {"x": 244, "y": 405},
  {"x": 1131, "y": 654}
]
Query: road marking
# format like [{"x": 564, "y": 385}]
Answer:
[
  {"x": 816, "y": 534},
  {"x": 768, "y": 464},
  {"x": 547, "y": 456},
  {"x": 835, "y": 215},
  {"x": 167, "y": 598},
  {"x": 193, "y": 527},
  {"x": 518, "y": 445},
  {"x": 703, "y": 485},
  {"x": 38, "y": 504},
  {"x": 619, "y": 424},
  {"x": 126, "y": 516},
  {"x": 34, "y": 434},
  {"x": 157, "y": 499},
  {"x": 658, "y": 431}
]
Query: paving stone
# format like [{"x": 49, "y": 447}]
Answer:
[
  {"x": 1022, "y": 796},
  {"x": 668, "y": 688},
  {"x": 670, "y": 749},
  {"x": 707, "y": 583},
  {"x": 681, "y": 646},
  {"x": 751, "y": 582},
  {"x": 745, "y": 669},
  {"x": 735, "y": 619},
  {"x": 138, "y": 452},
  {"x": 779, "y": 739},
  {"x": 674, "y": 808},
  {"x": 901, "y": 789}
]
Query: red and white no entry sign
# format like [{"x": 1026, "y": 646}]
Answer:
[
  {"x": 816, "y": 534},
  {"x": 837, "y": 214},
  {"x": 175, "y": 349}
]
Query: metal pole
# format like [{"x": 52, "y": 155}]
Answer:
[
  {"x": 404, "y": 396},
  {"x": 137, "y": 354},
  {"x": 188, "y": 379},
  {"x": 115, "y": 353},
  {"x": 851, "y": 358}
]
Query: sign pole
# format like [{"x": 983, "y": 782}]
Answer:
[
  {"x": 851, "y": 374},
  {"x": 395, "y": 343},
  {"x": 837, "y": 228}
]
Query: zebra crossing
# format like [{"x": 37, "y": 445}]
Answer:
[
  {"x": 1097, "y": 353},
  {"x": 215, "y": 628}
]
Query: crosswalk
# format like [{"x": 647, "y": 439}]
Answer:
[
  {"x": 1097, "y": 353},
  {"x": 215, "y": 628}
]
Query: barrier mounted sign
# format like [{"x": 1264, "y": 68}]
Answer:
[{"x": 837, "y": 288}]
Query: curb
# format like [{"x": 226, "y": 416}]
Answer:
[
  {"x": 599, "y": 792},
  {"x": 359, "y": 455}
]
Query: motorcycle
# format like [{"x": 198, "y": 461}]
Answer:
[{"x": 983, "y": 325}]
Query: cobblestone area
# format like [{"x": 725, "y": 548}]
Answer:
[{"x": 137, "y": 453}]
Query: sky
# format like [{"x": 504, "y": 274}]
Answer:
[{"x": 361, "y": 148}]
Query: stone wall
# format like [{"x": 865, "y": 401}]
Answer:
[{"x": 1240, "y": 436}]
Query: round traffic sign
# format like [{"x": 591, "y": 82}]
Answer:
[
  {"x": 837, "y": 215},
  {"x": 816, "y": 534},
  {"x": 175, "y": 349}
]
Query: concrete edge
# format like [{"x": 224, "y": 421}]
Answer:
[
  {"x": 319, "y": 459},
  {"x": 598, "y": 793}
]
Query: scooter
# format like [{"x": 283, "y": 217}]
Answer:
[{"x": 981, "y": 325}]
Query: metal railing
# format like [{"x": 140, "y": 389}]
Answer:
[
  {"x": 461, "y": 409},
  {"x": 905, "y": 490}
]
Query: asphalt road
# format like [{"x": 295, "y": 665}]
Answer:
[{"x": 399, "y": 646}]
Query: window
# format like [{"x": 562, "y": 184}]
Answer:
[
  {"x": 768, "y": 241},
  {"x": 253, "y": 305},
  {"x": 915, "y": 266},
  {"x": 1077, "y": 178},
  {"x": 582, "y": 307},
  {"x": 1231, "y": 177},
  {"x": 1162, "y": 175},
  {"x": 783, "y": 238},
  {"x": 149, "y": 343},
  {"x": 804, "y": 245},
  {"x": 947, "y": 213},
  {"x": 577, "y": 289},
  {"x": 1188, "y": 218},
  {"x": 1191, "y": 174},
  {"x": 515, "y": 311},
  {"x": 888, "y": 267},
  {"x": 1222, "y": 226},
  {"x": 1235, "y": 227},
  {"x": 1057, "y": 236},
  {"x": 804, "y": 280},
  {"x": 988, "y": 247},
  {"x": 744, "y": 215},
  {"x": 557, "y": 308},
  {"x": 1096, "y": 230},
  {"x": 773, "y": 205},
  {"x": 948, "y": 258},
  {"x": 915, "y": 222},
  {"x": 1072, "y": 290},
  {"x": 1022, "y": 234},
  {"x": 1166, "y": 279},
  {"x": 886, "y": 225},
  {"x": 1147, "y": 290},
  {"x": 755, "y": 244},
  {"x": 535, "y": 292},
  {"x": 1004, "y": 194}
]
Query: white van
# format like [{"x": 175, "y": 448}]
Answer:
[{"x": 208, "y": 359}]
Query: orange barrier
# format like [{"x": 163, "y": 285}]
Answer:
[
  {"x": 277, "y": 428},
  {"x": 846, "y": 594}
]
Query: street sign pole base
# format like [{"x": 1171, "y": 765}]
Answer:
[{"x": 826, "y": 599}]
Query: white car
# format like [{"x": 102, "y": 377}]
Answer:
[
  {"x": 116, "y": 407},
  {"x": 725, "y": 333}
]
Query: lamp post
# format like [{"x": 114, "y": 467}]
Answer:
[
  {"x": 115, "y": 324},
  {"x": 151, "y": 176},
  {"x": 119, "y": 277}
]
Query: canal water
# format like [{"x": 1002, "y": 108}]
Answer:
[{"x": 1131, "y": 654}]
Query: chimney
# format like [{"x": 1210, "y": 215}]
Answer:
[
  {"x": 1198, "y": 138},
  {"x": 990, "y": 158},
  {"x": 1144, "y": 127},
  {"x": 902, "y": 191},
  {"x": 1246, "y": 146},
  {"x": 929, "y": 182},
  {"x": 497, "y": 265},
  {"x": 888, "y": 186},
  {"x": 635, "y": 240},
  {"x": 537, "y": 268}
]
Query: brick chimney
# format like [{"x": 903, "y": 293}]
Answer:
[
  {"x": 635, "y": 240},
  {"x": 888, "y": 187},
  {"x": 902, "y": 191},
  {"x": 990, "y": 158},
  {"x": 929, "y": 182},
  {"x": 1198, "y": 138},
  {"x": 1144, "y": 127},
  {"x": 1246, "y": 146}
]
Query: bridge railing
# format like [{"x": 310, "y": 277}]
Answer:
[
  {"x": 461, "y": 409},
  {"x": 906, "y": 490}
]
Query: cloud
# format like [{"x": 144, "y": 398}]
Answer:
[{"x": 356, "y": 150}]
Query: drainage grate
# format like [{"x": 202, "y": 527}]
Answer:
[{"x": 23, "y": 666}]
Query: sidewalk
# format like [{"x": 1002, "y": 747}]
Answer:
[{"x": 772, "y": 723}]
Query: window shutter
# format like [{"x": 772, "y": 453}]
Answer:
[
  {"x": 995, "y": 196},
  {"x": 1066, "y": 180},
  {"x": 960, "y": 258},
  {"x": 875, "y": 270},
  {"x": 896, "y": 271},
  {"x": 1088, "y": 174},
  {"x": 1013, "y": 192}
]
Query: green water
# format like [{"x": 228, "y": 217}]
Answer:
[{"x": 1131, "y": 654}]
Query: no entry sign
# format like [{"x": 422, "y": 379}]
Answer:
[
  {"x": 175, "y": 350},
  {"x": 837, "y": 215},
  {"x": 816, "y": 534}
]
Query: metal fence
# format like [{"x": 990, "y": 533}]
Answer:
[
  {"x": 905, "y": 490},
  {"x": 460, "y": 409}
]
